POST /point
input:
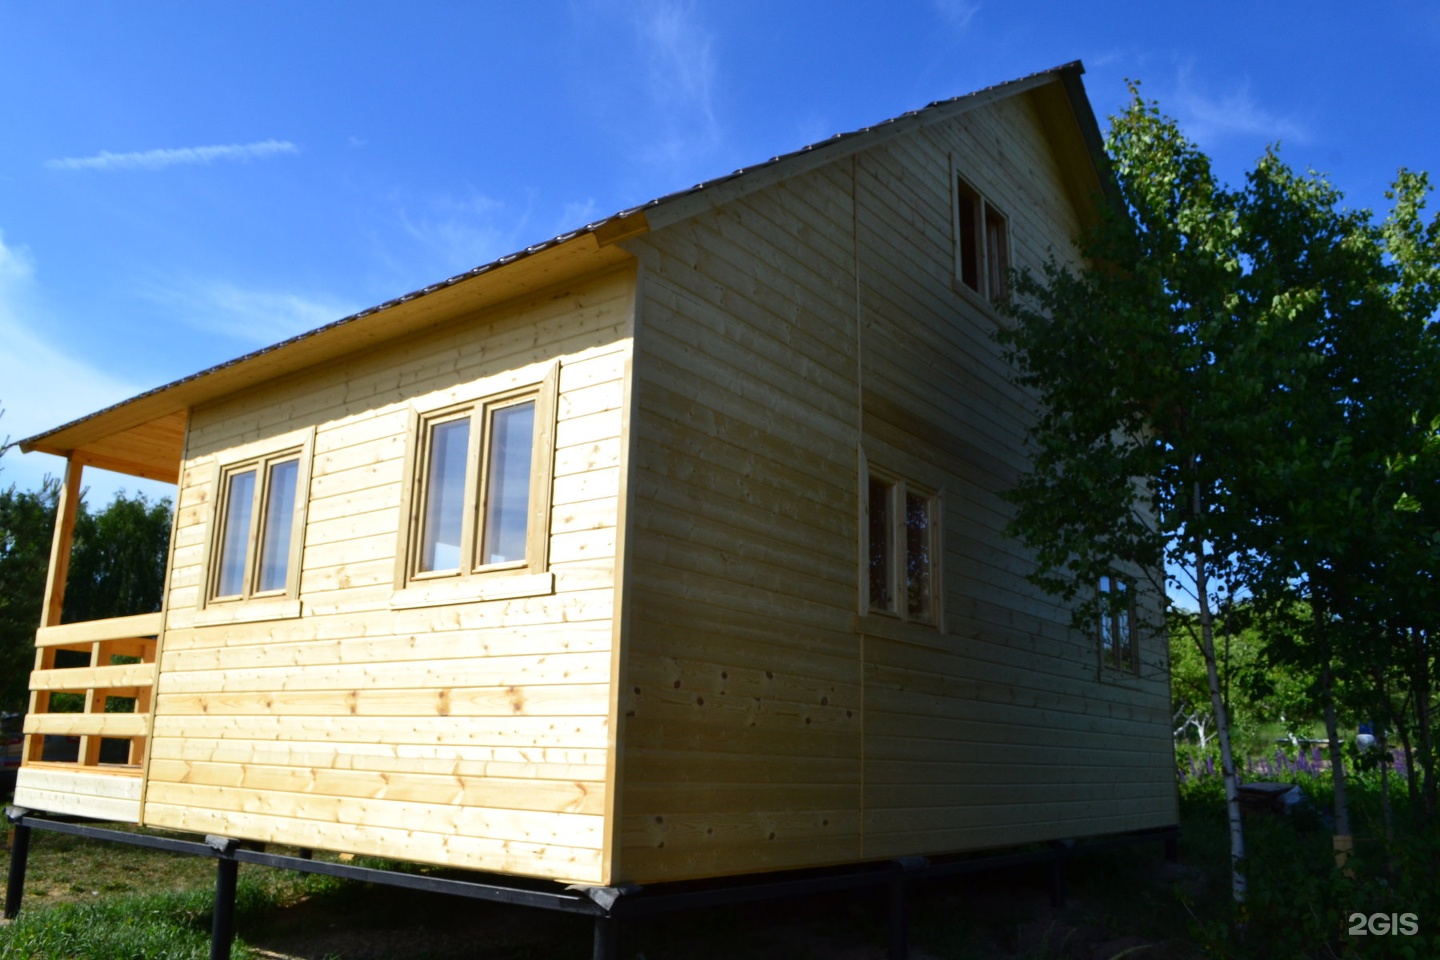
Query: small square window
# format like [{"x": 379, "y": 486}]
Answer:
[{"x": 1117, "y": 615}]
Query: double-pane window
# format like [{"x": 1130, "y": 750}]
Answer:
[
  {"x": 982, "y": 244},
  {"x": 254, "y": 552},
  {"x": 477, "y": 488},
  {"x": 902, "y": 550}
]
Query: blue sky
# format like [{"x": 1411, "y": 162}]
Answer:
[{"x": 182, "y": 183}]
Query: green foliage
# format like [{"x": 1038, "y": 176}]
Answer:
[
  {"x": 26, "y": 521},
  {"x": 117, "y": 562},
  {"x": 1244, "y": 385},
  {"x": 1300, "y": 902},
  {"x": 162, "y": 926},
  {"x": 117, "y": 568},
  {"x": 1265, "y": 698}
]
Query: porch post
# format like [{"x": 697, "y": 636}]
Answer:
[
  {"x": 60, "y": 544},
  {"x": 54, "y": 604}
]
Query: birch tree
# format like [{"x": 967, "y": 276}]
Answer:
[{"x": 1239, "y": 388}]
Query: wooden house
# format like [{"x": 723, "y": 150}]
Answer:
[{"x": 668, "y": 548}]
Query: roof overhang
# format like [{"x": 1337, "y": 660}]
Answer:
[{"x": 145, "y": 435}]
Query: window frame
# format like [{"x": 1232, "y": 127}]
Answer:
[
  {"x": 252, "y": 602},
  {"x": 478, "y": 402},
  {"x": 988, "y": 261},
  {"x": 899, "y": 490},
  {"x": 1116, "y": 658}
]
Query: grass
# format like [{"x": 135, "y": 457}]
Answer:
[{"x": 86, "y": 899}]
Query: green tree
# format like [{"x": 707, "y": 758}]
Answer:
[
  {"x": 1347, "y": 305},
  {"x": 117, "y": 568},
  {"x": 27, "y": 519},
  {"x": 117, "y": 559},
  {"x": 1239, "y": 387},
  {"x": 1142, "y": 369}
]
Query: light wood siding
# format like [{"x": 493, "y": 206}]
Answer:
[
  {"x": 1002, "y": 730},
  {"x": 766, "y": 724},
  {"x": 474, "y": 734},
  {"x": 742, "y": 706}
]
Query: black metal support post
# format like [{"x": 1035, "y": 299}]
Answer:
[
  {"x": 19, "y": 859},
  {"x": 222, "y": 927},
  {"x": 900, "y": 906},
  {"x": 899, "y": 921},
  {"x": 1172, "y": 849},
  {"x": 607, "y": 938},
  {"x": 1057, "y": 872},
  {"x": 612, "y": 909}
]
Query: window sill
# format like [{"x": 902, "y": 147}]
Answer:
[
  {"x": 986, "y": 306},
  {"x": 247, "y": 611},
  {"x": 1116, "y": 676},
  {"x": 473, "y": 590},
  {"x": 893, "y": 628}
]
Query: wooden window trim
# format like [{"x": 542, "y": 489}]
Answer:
[
  {"x": 1112, "y": 663},
  {"x": 898, "y": 611},
  {"x": 251, "y": 604},
  {"x": 985, "y": 259},
  {"x": 471, "y": 581}
]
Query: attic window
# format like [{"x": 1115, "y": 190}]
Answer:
[{"x": 982, "y": 244}]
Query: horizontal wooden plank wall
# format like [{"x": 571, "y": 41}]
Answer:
[
  {"x": 742, "y": 703},
  {"x": 766, "y": 725},
  {"x": 473, "y": 734},
  {"x": 999, "y": 730}
]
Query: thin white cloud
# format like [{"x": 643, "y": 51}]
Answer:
[
  {"x": 253, "y": 317},
  {"x": 16, "y": 267},
  {"x": 456, "y": 233},
  {"x": 43, "y": 385},
  {"x": 680, "y": 79},
  {"x": 158, "y": 159},
  {"x": 1209, "y": 118},
  {"x": 575, "y": 215},
  {"x": 957, "y": 14}
]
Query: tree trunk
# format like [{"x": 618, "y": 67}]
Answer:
[
  {"x": 1411, "y": 785},
  {"x": 1222, "y": 719},
  {"x": 1386, "y": 720},
  {"x": 1420, "y": 677},
  {"x": 1344, "y": 841}
]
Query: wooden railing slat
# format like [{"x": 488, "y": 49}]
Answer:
[
  {"x": 98, "y": 678},
  {"x": 88, "y": 631},
  {"x": 118, "y": 725}
]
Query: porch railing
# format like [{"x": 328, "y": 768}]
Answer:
[{"x": 83, "y": 673}]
